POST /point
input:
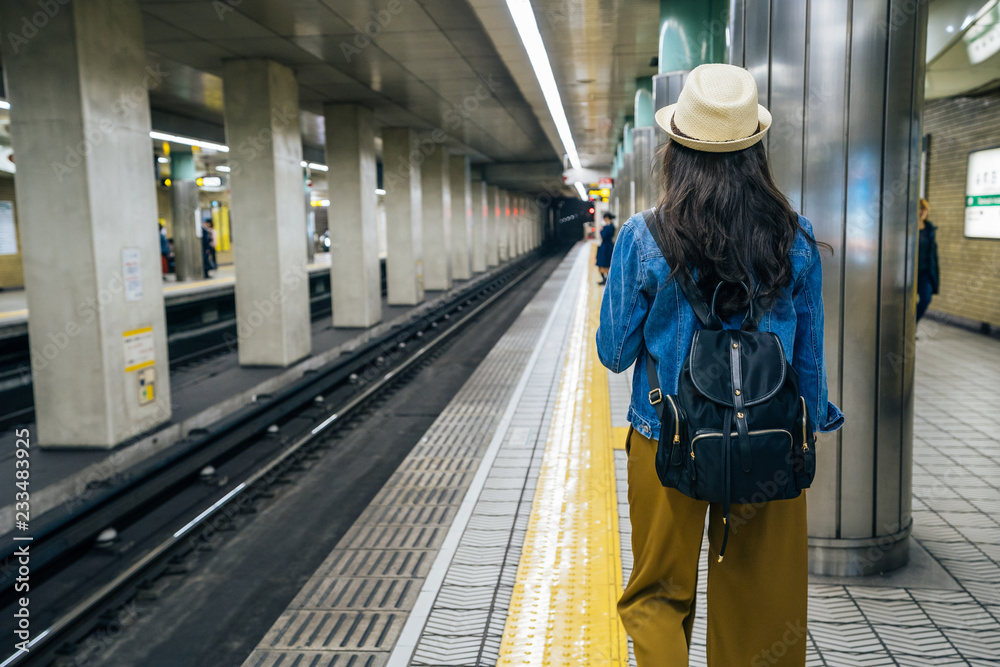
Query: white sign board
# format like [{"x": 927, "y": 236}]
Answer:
[
  {"x": 140, "y": 349},
  {"x": 132, "y": 274},
  {"x": 8, "y": 233},
  {"x": 982, "y": 195}
]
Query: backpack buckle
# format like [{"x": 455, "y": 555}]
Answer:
[{"x": 655, "y": 396}]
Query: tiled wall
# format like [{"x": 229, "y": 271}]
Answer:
[
  {"x": 970, "y": 268},
  {"x": 11, "y": 274}
]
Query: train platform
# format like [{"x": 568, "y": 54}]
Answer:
[
  {"x": 203, "y": 393},
  {"x": 503, "y": 538},
  {"x": 14, "y": 306}
]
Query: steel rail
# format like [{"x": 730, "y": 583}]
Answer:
[{"x": 120, "y": 589}]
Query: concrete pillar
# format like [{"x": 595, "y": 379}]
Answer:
[
  {"x": 403, "y": 215},
  {"x": 492, "y": 225},
  {"x": 354, "y": 265},
  {"x": 513, "y": 226},
  {"x": 188, "y": 258},
  {"x": 522, "y": 227},
  {"x": 435, "y": 186},
  {"x": 272, "y": 283},
  {"x": 479, "y": 218},
  {"x": 503, "y": 222},
  {"x": 853, "y": 170},
  {"x": 86, "y": 194},
  {"x": 461, "y": 217}
]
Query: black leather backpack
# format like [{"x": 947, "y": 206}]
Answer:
[{"x": 737, "y": 430}]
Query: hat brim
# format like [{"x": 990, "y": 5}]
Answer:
[{"x": 665, "y": 115}]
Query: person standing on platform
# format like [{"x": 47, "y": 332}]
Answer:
[
  {"x": 722, "y": 221},
  {"x": 605, "y": 250},
  {"x": 207, "y": 247},
  {"x": 164, "y": 251},
  {"x": 928, "y": 273}
]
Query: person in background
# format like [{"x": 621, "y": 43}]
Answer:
[
  {"x": 607, "y": 247},
  {"x": 164, "y": 251},
  {"x": 928, "y": 274},
  {"x": 207, "y": 247}
]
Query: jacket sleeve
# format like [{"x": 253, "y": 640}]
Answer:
[
  {"x": 624, "y": 307},
  {"x": 809, "y": 359}
]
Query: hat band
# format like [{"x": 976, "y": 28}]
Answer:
[{"x": 674, "y": 128}]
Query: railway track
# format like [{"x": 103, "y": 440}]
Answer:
[{"x": 278, "y": 435}]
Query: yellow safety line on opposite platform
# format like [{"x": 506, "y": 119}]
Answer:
[
  {"x": 14, "y": 313},
  {"x": 562, "y": 611}
]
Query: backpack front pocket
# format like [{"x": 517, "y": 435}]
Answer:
[{"x": 771, "y": 476}]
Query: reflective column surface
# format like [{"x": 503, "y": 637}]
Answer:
[{"x": 845, "y": 94}]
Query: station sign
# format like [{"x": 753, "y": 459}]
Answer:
[{"x": 982, "y": 195}]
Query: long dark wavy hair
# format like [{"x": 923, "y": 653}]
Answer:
[{"x": 723, "y": 216}]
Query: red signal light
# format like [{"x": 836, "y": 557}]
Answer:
[{"x": 591, "y": 210}]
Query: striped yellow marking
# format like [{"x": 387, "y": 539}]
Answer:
[
  {"x": 135, "y": 367},
  {"x": 562, "y": 611},
  {"x": 136, "y": 332},
  {"x": 14, "y": 313}
]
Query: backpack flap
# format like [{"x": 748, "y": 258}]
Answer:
[{"x": 762, "y": 365}]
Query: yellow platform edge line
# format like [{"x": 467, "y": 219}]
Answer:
[{"x": 563, "y": 607}]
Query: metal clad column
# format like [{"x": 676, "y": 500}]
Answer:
[
  {"x": 845, "y": 146},
  {"x": 188, "y": 259},
  {"x": 404, "y": 215},
  {"x": 355, "y": 280}
]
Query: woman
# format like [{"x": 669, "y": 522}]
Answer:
[
  {"x": 928, "y": 275},
  {"x": 724, "y": 219},
  {"x": 605, "y": 250}
]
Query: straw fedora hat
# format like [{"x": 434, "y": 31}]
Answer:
[{"x": 717, "y": 111}]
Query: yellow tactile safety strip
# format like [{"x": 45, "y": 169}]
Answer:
[
  {"x": 562, "y": 611},
  {"x": 618, "y": 435}
]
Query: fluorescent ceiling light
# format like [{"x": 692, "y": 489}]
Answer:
[
  {"x": 174, "y": 139},
  {"x": 527, "y": 28},
  {"x": 222, "y": 168},
  {"x": 211, "y": 181},
  {"x": 379, "y": 191},
  {"x": 4, "y": 104},
  {"x": 163, "y": 160},
  {"x": 314, "y": 166},
  {"x": 583, "y": 193}
]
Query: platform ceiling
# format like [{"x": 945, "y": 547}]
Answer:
[{"x": 427, "y": 61}]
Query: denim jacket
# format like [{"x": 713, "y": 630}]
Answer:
[{"x": 642, "y": 309}]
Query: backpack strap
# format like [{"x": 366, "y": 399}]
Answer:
[
  {"x": 655, "y": 395},
  {"x": 683, "y": 278}
]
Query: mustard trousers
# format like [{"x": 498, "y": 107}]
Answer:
[{"x": 756, "y": 596}]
